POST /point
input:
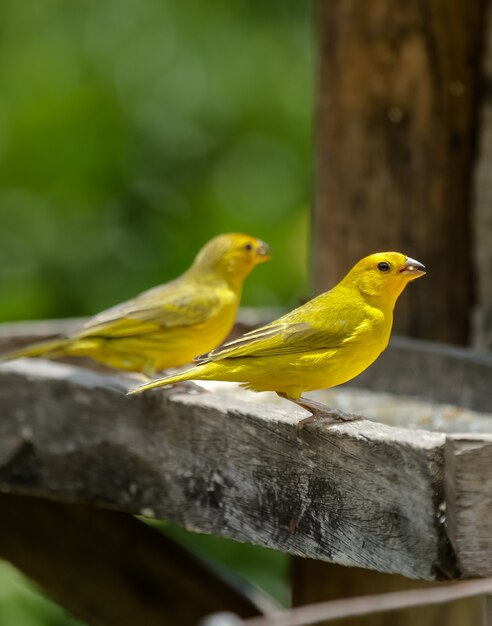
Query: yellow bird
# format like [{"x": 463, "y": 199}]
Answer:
[
  {"x": 170, "y": 324},
  {"x": 326, "y": 342}
]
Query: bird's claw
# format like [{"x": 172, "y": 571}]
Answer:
[
  {"x": 318, "y": 411},
  {"x": 330, "y": 417}
]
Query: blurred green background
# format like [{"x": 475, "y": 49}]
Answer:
[{"x": 131, "y": 131}]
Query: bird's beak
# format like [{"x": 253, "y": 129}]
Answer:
[
  {"x": 412, "y": 268},
  {"x": 262, "y": 252}
]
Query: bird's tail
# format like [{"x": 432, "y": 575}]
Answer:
[
  {"x": 194, "y": 373},
  {"x": 50, "y": 349}
]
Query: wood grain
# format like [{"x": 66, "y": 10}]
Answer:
[
  {"x": 395, "y": 132},
  {"x": 357, "y": 494},
  {"x": 469, "y": 501},
  {"x": 434, "y": 371}
]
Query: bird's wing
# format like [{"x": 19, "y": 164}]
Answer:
[
  {"x": 170, "y": 306},
  {"x": 289, "y": 335}
]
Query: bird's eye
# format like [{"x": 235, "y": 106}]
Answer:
[
  {"x": 383, "y": 267},
  {"x": 248, "y": 246}
]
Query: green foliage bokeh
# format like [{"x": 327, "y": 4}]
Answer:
[{"x": 131, "y": 131}]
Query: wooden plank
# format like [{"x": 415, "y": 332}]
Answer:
[
  {"x": 469, "y": 501},
  {"x": 110, "y": 569},
  {"x": 317, "y": 580},
  {"x": 395, "y": 129},
  {"x": 358, "y": 494},
  {"x": 431, "y": 370}
]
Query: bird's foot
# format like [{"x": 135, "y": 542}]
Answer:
[{"x": 319, "y": 411}]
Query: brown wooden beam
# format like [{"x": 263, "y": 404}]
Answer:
[{"x": 110, "y": 569}]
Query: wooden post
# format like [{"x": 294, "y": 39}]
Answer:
[
  {"x": 395, "y": 134},
  {"x": 482, "y": 193},
  {"x": 396, "y": 115}
]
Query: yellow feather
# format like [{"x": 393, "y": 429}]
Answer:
[
  {"x": 325, "y": 342},
  {"x": 168, "y": 325}
]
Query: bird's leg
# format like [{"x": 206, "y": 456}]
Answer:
[
  {"x": 318, "y": 411},
  {"x": 321, "y": 411}
]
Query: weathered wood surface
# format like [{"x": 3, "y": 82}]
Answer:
[
  {"x": 356, "y": 494},
  {"x": 461, "y": 376},
  {"x": 469, "y": 501},
  {"x": 109, "y": 568},
  {"x": 406, "y": 411},
  {"x": 395, "y": 130}
]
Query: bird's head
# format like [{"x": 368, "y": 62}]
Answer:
[
  {"x": 384, "y": 275},
  {"x": 231, "y": 256}
]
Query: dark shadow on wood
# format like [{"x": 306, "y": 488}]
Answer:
[{"x": 109, "y": 568}]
